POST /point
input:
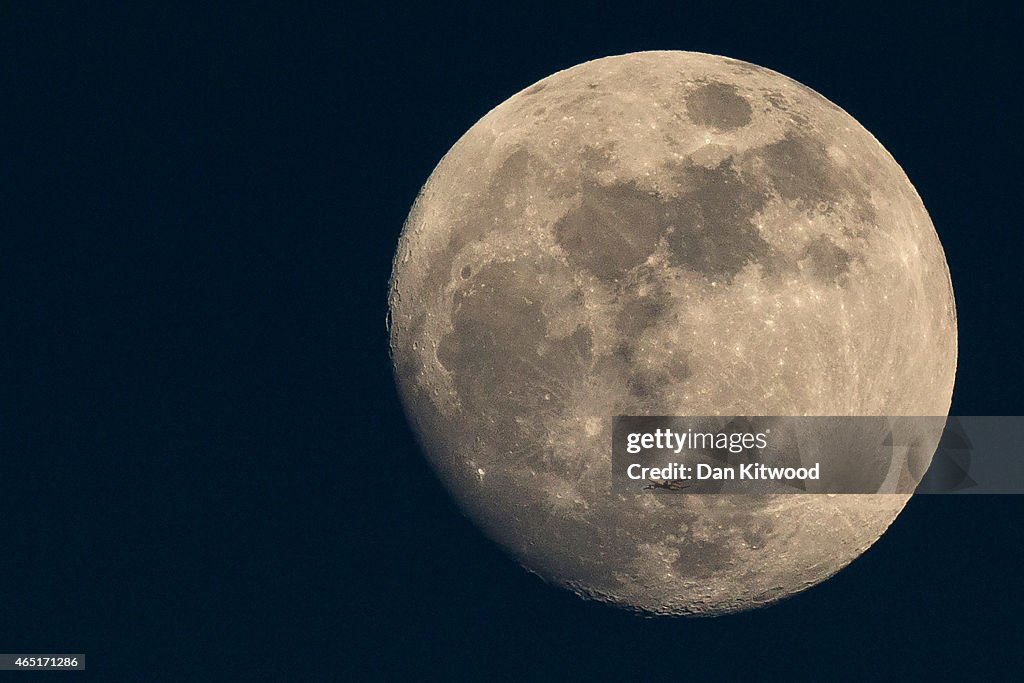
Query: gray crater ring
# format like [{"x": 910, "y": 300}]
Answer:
[{"x": 663, "y": 233}]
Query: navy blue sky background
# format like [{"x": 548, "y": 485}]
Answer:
[{"x": 206, "y": 472}]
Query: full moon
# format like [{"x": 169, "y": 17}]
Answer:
[{"x": 663, "y": 233}]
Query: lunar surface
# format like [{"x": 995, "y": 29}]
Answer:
[{"x": 663, "y": 233}]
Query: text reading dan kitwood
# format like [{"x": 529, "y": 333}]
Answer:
[{"x": 733, "y": 442}]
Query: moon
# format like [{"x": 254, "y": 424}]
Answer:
[{"x": 663, "y": 233}]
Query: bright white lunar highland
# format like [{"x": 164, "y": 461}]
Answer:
[{"x": 663, "y": 233}]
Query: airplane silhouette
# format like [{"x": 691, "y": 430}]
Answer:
[{"x": 670, "y": 485}]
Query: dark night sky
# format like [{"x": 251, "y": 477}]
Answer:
[{"x": 206, "y": 470}]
